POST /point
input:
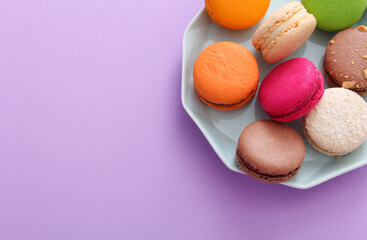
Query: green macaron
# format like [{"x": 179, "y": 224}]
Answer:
[{"x": 335, "y": 15}]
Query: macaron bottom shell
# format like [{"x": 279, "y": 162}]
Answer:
[
  {"x": 249, "y": 170},
  {"x": 334, "y": 83}
]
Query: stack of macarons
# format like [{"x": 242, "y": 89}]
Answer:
[{"x": 226, "y": 77}]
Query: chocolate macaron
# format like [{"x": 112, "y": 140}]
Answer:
[
  {"x": 270, "y": 151},
  {"x": 345, "y": 62}
]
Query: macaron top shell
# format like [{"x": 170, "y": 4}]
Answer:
[
  {"x": 291, "y": 89},
  {"x": 338, "y": 123},
  {"x": 345, "y": 61},
  {"x": 225, "y": 73},
  {"x": 284, "y": 32},
  {"x": 271, "y": 148},
  {"x": 335, "y": 15},
  {"x": 237, "y": 14}
]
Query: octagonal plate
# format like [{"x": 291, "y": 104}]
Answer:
[{"x": 222, "y": 128}]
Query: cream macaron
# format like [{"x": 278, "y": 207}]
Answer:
[
  {"x": 284, "y": 32},
  {"x": 337, "y": 125}
]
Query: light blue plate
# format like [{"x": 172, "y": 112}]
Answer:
[{"x": 222, "y": 128}]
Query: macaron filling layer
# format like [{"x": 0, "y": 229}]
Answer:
[
  {"x": 285, "y": 27},
  {"x": 231, "y": 104},
  {"x": 257, "y": 172},
  {"x": 277, "y": 28}
]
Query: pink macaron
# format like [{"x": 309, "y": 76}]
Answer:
[{"x": 291, "y": 90}]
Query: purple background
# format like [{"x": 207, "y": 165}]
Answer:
[{"x": 95, "y": 143}]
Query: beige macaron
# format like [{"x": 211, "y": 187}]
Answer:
[
  {"x": 337, "y": 125},
  {"x": 284, "y": 32}
]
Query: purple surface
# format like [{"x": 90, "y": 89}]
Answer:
[{"x": 95, "y": 144}]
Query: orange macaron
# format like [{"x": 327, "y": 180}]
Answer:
[
  {"x": 237, "y": 14},
  {"x": 226, "y": 75}
]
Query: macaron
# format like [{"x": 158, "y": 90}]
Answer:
[
  {"x": 338, "y": 123},
  {"x": 226, "y": 75},
  {"x": 270, "y": 151},
  {"x": 345, "y": 61},
  {"x": 284, "y": 32},
  {"x": 291, "y": 90},
  {"x": 335, "y": 15},
  {"x": 236, "y": 14}
]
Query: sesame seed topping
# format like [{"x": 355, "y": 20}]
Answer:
[
  {"x": 362, "y": 28},
  {"x": 348, "y": 84}
]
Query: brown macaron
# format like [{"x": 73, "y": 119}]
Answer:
[
  {"x": 270, "y": 151},
  {"x": 345, "y": 62}
]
